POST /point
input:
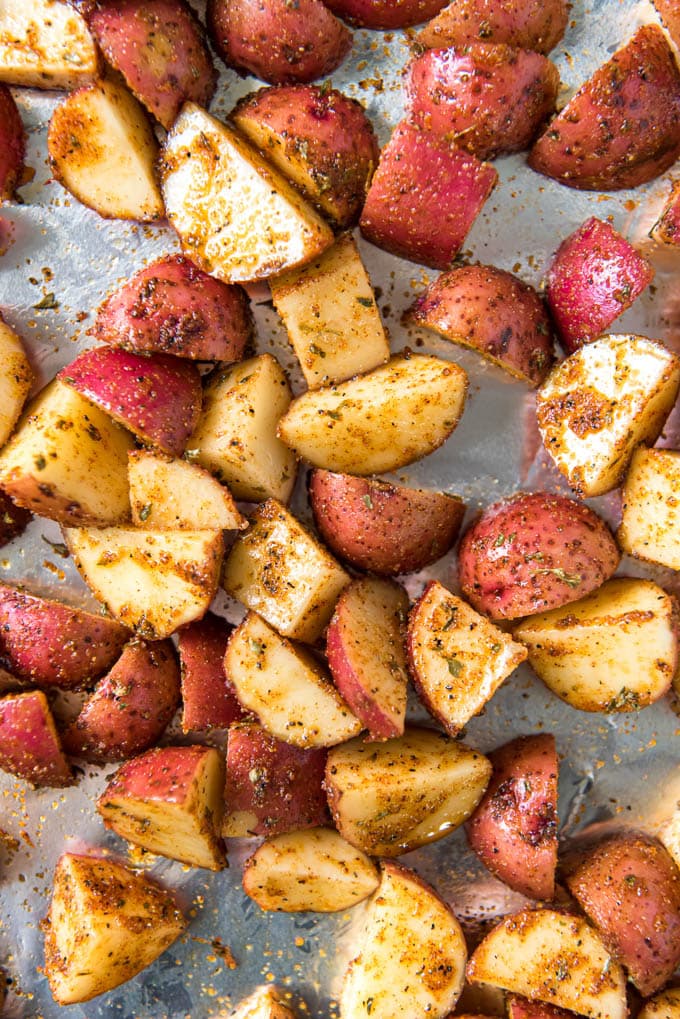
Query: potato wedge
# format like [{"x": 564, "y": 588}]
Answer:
[
  {"x": 13, "y": 140},
  {"x": 237, "y": 217},
  {"x": 208, "y": 698},
  {"x": 533, "y": 25},
  {"x": 553, "y": 957},
  {"x": 103, "y": 151},
  {"x": 309, "y": 870},
  {"x": 650, "y": 524},
  {"x": 602, "y": 402},
  {"x": 411, "y": 961},
  {"x": 380, "y": 421},
  {"x": 665, "y": 1005},
  {"x": 30, "y": 747},
  {"x": 15, "y": 380},
  {"x": 45, "y": 44},
  {"x": 264, "y": 1003},
  {"x": 616, "y": 650},
  {"x": 174, "y": 495}
]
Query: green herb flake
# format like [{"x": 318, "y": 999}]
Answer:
[
  {"x": 365, "y": 302},
  {"x": 455, "y": 667},
  {"x": 451, "y": 620},
  {"x": 625, "y": 700},
  {"x": 630, "y": 880},
  {"x": 366, "y": 499},
  {"x": 256, "y": 645},
  {"x": 572, "y": 579},
  {"x": 313, "y": 349},
  {"x": 48, "y": 301},
  {"x": 57, "y": 547},
  {"x": 496, "y": 648},
  {"x": 145, "y": 511},
  {"x": 40, "y": 463}
]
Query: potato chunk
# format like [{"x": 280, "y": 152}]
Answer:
[
  {"x": 15, "y": 380},
  {"x": 650, "y": 528},
  {"x": 45, "y": 44},
  {"x": 168, "y": 494}
]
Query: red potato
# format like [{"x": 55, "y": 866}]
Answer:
[
  {"x": 271, "y": 787},
  {"x": 529, "y": 24},
  {"x": 532, "y": 552},
  {"x": 158, "y": 398},
  {"x": 13, "y": 519},
  {"x": 669, "y": 11},
  {"x": 494, "y": 313},
  {"x": 485, "y": 97},
  {"x": 208, "y": 699},
  {"x": 130, "y": 707},
  {"x": 424, "y": 197},
  {"x": 278, "y": 41},
  {"x": 629, "y": 887},
  {"x": 13, "y": 147},
  {"x": 620, "y": 129},
  {"x": 158, "y": 47},
  {"x": 173, "y": 307},
  {"x": 387, "y": 529},
  {"x": 385, "y": 13},
  {"x": 514, "y": 829},
  {"x": 594, "y": 277},
  {"x": 52, "y": 644},
  {"x": 523, "y": 1008},
  {"x": 29, "y": 743},
  {"x": 666, "y": 230}
]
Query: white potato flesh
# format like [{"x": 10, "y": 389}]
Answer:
[
  {"x": 388, "y": 798},
  {"x": 264, "y": 1003},
  {"x": 152, "y": 581},
  {"x": 105, "y": 924},
  {"x": 16, "y": 378},
  {"x": 175, "y": 495},
  {"x": 45, "y": 44},
  {"x": 650, "y": 525},
  {"x": 235, "y": 438},
  {"x": 280, "y": 571},
  {"x": 458, "y": 658},
  {"x": 600, "y": 403},
  {"x": 313, "y": 870},
  {"x": 67, "y": 460},
  {"x": 665, "y": 1005},
  {"x": 329, "y": 311},
  {"x": 616, "y": 650},
  {"x": 237, "y": 217},
  {"x": 286, "y": 688},
  {"x": 411, "y": 962},
  {"x": 552, "y": 957}
]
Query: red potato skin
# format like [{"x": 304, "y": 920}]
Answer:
[
  {"x": 279, "y": 783},
  {"x": 629, "y": 887},
  {"x": 13, "y": 519},
  {"x": 528, "y": 24},
  {"x": 514, "y": 829},
  {"x": 130, "y": 707},
  {"x": 157, "y": 397},
  {"x": 487, "y": 98},
  {"x": 161, "y": 774},
  {"x": 208, "y": 698},
  {"x": 159, "y": 49},
  {"x": 385, "y": 14},
  {"x": 380, "y": 527},
  {"x": 594, "y": 277},
  {"x": 29, "y": 744},
  {"x": 522, "y": 1008},
  {"x": 533, "y": 552},
  {"x": 620, "y": 129},
  {"x": 173, "y": 307},
  {"x": 424, "y": 197},
  {"x": 279, "y": 42},
  {"x": 51, "y": 644},
  {"x": 666, "y": 230},
  {"x": 13, "y": 148},
  {"x": 493, "y": 312}
]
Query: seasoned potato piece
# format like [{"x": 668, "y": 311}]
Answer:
[
  {"x": 174, "y": 495},
  {"x": 530, "y": 24},
  {"x": 45, "y": 44},
  {"x": 280, "y": 571},
  {"x": 665, "y": 1005},
  {"x": 208, "y": 698},
  {"x": 650, "y": 526},
  {"x": 329, "y": 310},
  {"x": 13, "y": 146},
  {"x": 602, "y": 402},
  {"x": 380, "y": 421},
  {"x": 29, "y": 743},
  {"x": 15, "y": 379}
]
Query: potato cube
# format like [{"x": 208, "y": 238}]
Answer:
[
  {"x": 650, "y": 528},
  {"x": 45, "y": 44},
  {"x": 174, "y": 495}
]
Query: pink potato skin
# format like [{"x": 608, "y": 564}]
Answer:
[
  {"x": 164, "y": 774},
  {"x": 52, "y": 644},
  {"x": 157, "y": 397},
  {"x": 130, "y": 707},
  {"x": 629, "y": 887},
  {"x": 493, "y": 312},
  {"x": 514, "y": 829},
  {"x": 595, "y": 275},
  {"x": 13, "y": 519},
  {"x": 173, "y": 307},
  {"x": 620, "y": 129},
  {"x": 29, "y": 744},
  {"x": 522, "y": 1008},
  {"x": 385, "y": 14},
  {"x": 278, "y": 41},
  {"x": 669, "y": 12},
  {"x": 666, "y": 230},
  {"x": 424, "y": 197},
  {"x": 208, "y": 698},
  {"x": 279, "y": 783},
  {"x": 528, "y": 24},
  {"x": 486, "y": 98},
  {"x": 381, "y": 527},
  {"x": 13, "y": 147},
  {"x": 158, "y": 47},
  {"x": 533, "y": 552}
]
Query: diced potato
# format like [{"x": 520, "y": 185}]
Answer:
[
  {"x": 67, "y": 460},
  {"x": 650, "y": 527},
  {"x": 174, "y": 495},
  {"x": 286, "y": 688},
  {"x": 665, "y": 1005},
  {"x": 237, "y": 217},
  {"x": 235, "y": 437},
  {"x": 264, "y": 1003},
  {"x": 106, "y": 923},
  {"x": 280, "y": 571},
  {"x": 29, "y": 743},
  {"x": 15, "y": 380},
  {"x": 381, "y": 421},
  {"x": 208, "y": 698},
  {"x": 152, "y": 581},
  {"x": 616, "y": 650},
  {"x": 602, "y": 402},
  {"x": 45, "y": 44},
  {"x": 333, "y": 322}
]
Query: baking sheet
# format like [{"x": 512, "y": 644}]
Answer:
[{"x": 620, "y": 768}]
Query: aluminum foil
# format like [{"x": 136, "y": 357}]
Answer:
[{"x": 620, "y": 769}]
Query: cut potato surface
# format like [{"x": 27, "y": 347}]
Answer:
[
  {"x": 175, "y": 495},
  {"x": 381, "y": 421},
  {"x": 412, "y": 957},
  {"x": 15, "y": 379},
  {"x": 45, "y": 44},
  {"x": 665, "y": 1005},
  {"x": 650, "y": 526}
]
